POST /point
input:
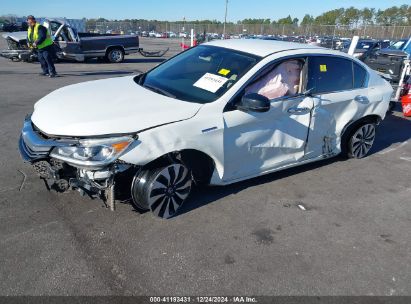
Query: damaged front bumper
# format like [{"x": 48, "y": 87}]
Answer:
[
  {"x": 35, "y": 148},
  {"x": 19, "y": 55}
]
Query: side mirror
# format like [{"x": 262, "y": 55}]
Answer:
[{"x": 254, "y": 103}]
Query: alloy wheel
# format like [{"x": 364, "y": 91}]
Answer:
[
  {"x": 362, "y": 141},
  {"x": 169, "y": 188}
]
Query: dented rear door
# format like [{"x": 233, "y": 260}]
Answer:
[{"x": 341, "y": 95}]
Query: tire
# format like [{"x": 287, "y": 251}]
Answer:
[
  {"x": 115, "y": 55},
  {"x": 391, "y": 106},
  {"x": 162, "y": 190},
  {"x": 360, "y": 141}
]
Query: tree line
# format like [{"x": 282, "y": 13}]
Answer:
[
  {"x": 351, "y": 16},
  {"x": 395, "y": 15}
]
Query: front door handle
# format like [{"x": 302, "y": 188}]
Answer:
[
  {"x": 296, "y": 110},
  {"x": 361, "y": 99}
]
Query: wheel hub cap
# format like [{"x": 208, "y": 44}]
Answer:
[
  {"x": 169, "y": 190},
  {"x": 363, "y": 140}
]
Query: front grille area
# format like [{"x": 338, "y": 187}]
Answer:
[
  {"x": 33, "y": 152},
  {"x": 33, "y": 147}
]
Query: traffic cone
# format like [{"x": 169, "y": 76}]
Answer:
[{"x": 406, "y": 104}]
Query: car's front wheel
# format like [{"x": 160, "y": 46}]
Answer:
[
  {"x": 361, "y": 140},
  {"x": 162, "y": 190}
]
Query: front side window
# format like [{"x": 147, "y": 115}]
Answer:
[
  {"x": 329, "y": 74},
  {"x": 385, "y": 44},
  {"x": 365, "y": 45},
  {"x": 201, "y": 74},
  {"x": 282, "y": 80},
  {"x": 54, "y": 26}
]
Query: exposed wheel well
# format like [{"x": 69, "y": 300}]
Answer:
[
  {"x": 114, "y": 47},
  {"x": 352, "y": 126},
  {"x": 201, "y": 165}
]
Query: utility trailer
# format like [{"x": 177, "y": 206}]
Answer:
[{"x": 72, "y": 45}]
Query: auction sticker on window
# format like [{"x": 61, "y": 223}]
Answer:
[
  {"x": 323, "y": 68},
  {"x": 210, "y": 82}
]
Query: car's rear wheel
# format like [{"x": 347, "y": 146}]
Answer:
[
  {"x": 115, "y": 55},
  {"x": 162, "y": 190},
  {"x": 361, "y": 140}
]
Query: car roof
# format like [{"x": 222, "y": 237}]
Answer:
[{"x": 260, "y": 47}]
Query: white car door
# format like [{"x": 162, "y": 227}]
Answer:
[
  {"x": 256, "y": 142},
  {"x": 339, "y": 98}
]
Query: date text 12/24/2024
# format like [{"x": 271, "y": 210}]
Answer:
[{"x": 207, "y": 299}]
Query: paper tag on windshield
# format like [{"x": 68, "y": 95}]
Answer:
[{"x": 210, "y": 82}]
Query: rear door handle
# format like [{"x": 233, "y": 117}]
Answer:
[
  {"x": 361, "y": 99},
  {"x": 296, "y": 110}
]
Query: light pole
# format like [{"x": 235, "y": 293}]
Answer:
[{"x": 225, "y": 17}]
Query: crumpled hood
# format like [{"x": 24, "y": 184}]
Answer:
[{"x": 109, "y": 106}]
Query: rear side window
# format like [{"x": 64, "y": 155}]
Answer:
[
  {"x": 329, "y": 74},
  {"x": 360, "y": 75}
]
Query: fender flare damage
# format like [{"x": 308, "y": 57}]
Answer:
[{"x": 201, "y": 164}]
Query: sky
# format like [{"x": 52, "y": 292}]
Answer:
[{"x": 173, "y": 10}]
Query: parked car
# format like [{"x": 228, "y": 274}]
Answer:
[
  {"x": 171, "y": 35},
  {"x": 192, "y": 120},
  {"x": 13, "y": 27},
  {"x": 81, "y": 46},
  {"x": 344, "y": 44},
  {"x": 365, "y": 46},
  {"x": 330, "y": 42},
  {"x": 270, "y": 38},
  {"x": 389, "y": 60},
  {"x": 154, "y": 34}
]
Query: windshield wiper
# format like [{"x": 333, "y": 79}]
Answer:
[{"x": 158, "y": 90}]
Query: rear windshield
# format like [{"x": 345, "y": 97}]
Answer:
[{"x": 201, "y": 74}]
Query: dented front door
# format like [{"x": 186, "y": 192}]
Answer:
[{"x": 258, "y": 142}]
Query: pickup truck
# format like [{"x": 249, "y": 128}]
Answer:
[
  {"x": 71, "y": 45},
  {"x": 366, "y": 46},
  {"x": 390, "y": 60}
]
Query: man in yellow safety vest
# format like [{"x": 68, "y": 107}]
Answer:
[{"x": 39, "y": 38}]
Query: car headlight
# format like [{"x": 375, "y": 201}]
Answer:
[{"x": 92, "y": 152}]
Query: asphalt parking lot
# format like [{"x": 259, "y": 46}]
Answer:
[{"x": 250, "y": 238}]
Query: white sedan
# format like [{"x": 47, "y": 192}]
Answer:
[{"x": 216, "y": 114}]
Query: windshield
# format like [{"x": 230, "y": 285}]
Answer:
[
  {"x": 201, "y": 74},
  {"x": 397, "y": 45}
]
